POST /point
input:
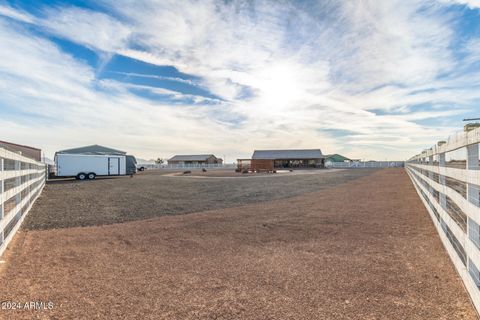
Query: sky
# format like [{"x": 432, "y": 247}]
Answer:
[{"x": 366, "y": 79}]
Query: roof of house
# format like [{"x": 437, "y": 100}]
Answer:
[
  {"x": 287, "y": 154},
  {"x": 93, "y": 149},
  {"x": 191, "y": 157},
  {"x": 27, "y": 151},
  {"x": 336, "y": 157},
  {"x": 10, "y": 144}
]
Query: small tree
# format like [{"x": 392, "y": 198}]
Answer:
[{"x": 159, "y": 161}]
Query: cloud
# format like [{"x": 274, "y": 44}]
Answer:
[
  {"x": 140, "y": 75},
  {"x": 472, "y": 4},
  {"x": 310, "y": 71},
  {"x": 92, "y": 29},
  {"x": 15, "y": 14},
  {"x": 68, "y": 106}
]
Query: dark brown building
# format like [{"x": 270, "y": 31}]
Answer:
[
  {"x": 195, "y": 159},
  {"x": 26, "y": 151},
  {"x": 269, "y": 160}
]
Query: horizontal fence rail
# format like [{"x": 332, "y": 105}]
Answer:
[
  {"x": 365, "y": 164},
  {"x": 447, "y": 179},
  {"x": 21, "y": 181},
  {"x": 187, "y": 166}
]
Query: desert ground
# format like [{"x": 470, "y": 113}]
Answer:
[{"x": 345, "y": 244}]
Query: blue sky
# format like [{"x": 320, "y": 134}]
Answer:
[{"x": 368, "y": 79}]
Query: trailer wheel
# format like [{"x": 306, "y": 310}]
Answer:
[
  {"x": 91, "y": 175},
  {"x": 81, "y": 176}
]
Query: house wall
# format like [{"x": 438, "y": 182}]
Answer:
[
  {"x": 260, "y": 165},
  {"x": 213, "y": 160},
  {"x": 209, "y": 160},
  {"x": 269, "y": 165},
  {"x": 298, "y": 163},
  {"x": 188, "y": 162}
]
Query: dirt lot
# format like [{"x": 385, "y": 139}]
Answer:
[
  {"x": 74, "y": 203},
  {"x": 230, "y": 173},
  {"x": 365, "y": 249}
]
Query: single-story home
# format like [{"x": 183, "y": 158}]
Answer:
[
  {"x": 336, "y": 158},
  {"x": 195, "y": 159},
  {"x": 270, "y": 160}
]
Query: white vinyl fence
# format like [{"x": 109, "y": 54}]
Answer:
[
  {"x": 21, "y": 181},
  {"x": 447, "y": 179},
  {"x": 365, "y": 164}
]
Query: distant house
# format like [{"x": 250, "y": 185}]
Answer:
[
  {"x": 336, "y": 158},
  {"x": 277, "y": 159},
  {"x": 195, "y": 159},
  {"x": 30, "y": 152}
]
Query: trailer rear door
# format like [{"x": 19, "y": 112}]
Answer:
[{"x": 113, "y": 166}]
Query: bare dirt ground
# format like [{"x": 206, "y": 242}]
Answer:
[
  {"x": 71, "y": 203},
  {"x": 230, "y": 173},
  {"x": 365, "y": 249}
]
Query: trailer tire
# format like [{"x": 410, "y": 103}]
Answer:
[
  {"x": 81, "y": 176},
  {"x": 91, "y": 175}
]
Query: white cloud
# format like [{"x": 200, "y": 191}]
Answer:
[
  {"x": 311, "y": 72},
  {"x": 93, "y": 29},
  {"x": 472, "y": 4},
  {"x": 15, "y": 14}
]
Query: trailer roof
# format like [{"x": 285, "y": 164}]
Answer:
[{"x": 93, "y": 149}]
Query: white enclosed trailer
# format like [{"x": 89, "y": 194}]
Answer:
[{"x": 88, "y": 166}]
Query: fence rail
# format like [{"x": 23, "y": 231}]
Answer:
[
  {"x": 447, "y": 179},
  {"x": 365, "y": 164},
  {"x": 21, "y": 181}
]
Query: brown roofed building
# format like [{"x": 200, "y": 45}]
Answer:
[
  {"x": 195, "y": 159},
  {"x": 269, "y": 160},
  {"x": 30, "y": 152}
]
